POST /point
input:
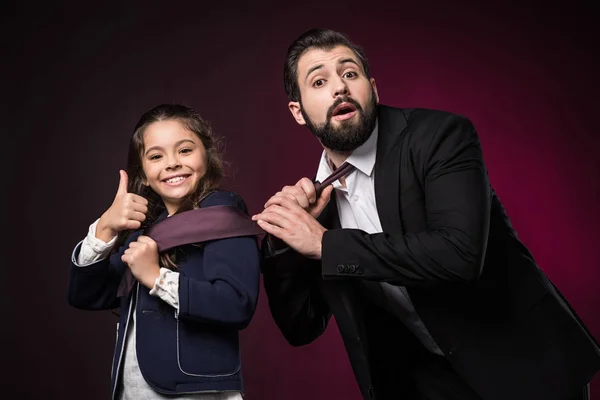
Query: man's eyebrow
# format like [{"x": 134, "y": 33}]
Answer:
[
  {"x": 319, "y": 66},
  {"x": 349, "y": 60},
  {"x": 313, "y": 69}
]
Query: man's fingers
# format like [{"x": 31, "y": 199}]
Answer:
[
  {"x": 277, "y": 197},
  {"x": 272, "y": 229},
  {"x": 285, "y": 202},
  {"x": 276, "y": 217},
  {"x": 308, "y": 188},
  {"x": 322, "y": 201}
]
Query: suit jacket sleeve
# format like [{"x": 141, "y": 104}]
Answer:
[
  {"x": 292, "y": 283},
  {"x": 229, "y": 294},
  {"x": 448, "y": 160}
]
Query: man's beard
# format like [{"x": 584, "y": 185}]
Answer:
[{"x": 349, "y": 135}]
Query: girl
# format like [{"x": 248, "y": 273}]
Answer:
[{"x": 178, "y": 329}]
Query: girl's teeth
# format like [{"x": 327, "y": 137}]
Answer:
[{"x": 173, "y": 180}]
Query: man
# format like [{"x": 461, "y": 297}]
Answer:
[{"x": 434, "y": 295}]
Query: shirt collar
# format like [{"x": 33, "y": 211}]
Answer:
[{"x": 363, "y": 158}]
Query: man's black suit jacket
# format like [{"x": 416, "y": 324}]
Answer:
[{"x": 502, "y": 324}]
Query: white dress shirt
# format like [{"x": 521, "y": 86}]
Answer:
[{"x": 357, "y": 209}]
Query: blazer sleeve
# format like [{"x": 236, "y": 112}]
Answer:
[
  {"x": 94, "y": 287},
  {"x": 229, "y": 294},
  {"x": 293, "y": 286},
  {"x": 449, "y": 162}
]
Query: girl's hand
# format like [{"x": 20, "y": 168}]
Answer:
[
  {"x": 127, "y": 211},
  {"x": 142, "y": 259}
]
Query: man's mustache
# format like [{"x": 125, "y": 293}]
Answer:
[{"x": 339, "y": 101}]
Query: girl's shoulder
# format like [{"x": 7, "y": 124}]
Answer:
[{"x": 224, "y": 198}]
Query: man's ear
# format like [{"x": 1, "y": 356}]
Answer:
[
  {"x": 296, "y": 110},
  {"x": 375, "y": 89}
]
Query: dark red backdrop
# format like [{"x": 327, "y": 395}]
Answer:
[{"x": 78, "y": 79}]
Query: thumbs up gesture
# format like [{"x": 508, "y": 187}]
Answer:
[{"x": 127, "y": 211}]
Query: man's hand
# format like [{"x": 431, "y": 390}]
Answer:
[
  {"x": 290, "y": 216},
  {"x": 303, "y": 192},
  {"x": 286, "y": 220}
]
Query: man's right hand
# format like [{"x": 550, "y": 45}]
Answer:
[
  {"x": 304, "y": 193},
  {"x": 127, "y": 211}
]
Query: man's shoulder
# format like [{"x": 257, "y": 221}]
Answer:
[
  {"x": 422, "y": 128},
  {"x": 416, "y": 117}
]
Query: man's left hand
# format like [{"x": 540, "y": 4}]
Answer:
[{"x": 286, "y": 220}]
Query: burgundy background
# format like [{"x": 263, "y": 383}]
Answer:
[{"x": 76, "y": 79}]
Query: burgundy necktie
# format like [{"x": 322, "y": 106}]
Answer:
[
  {"x": 209, "y": 223},
  {"x": 195, "y": 226},
  {"x": 339, "y": 173},
  {"x": 342, "y": 171}
]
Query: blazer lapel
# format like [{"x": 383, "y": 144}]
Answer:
[
  {"x": 387, "y": 168},
  {"x": 329, "y": 217},
  {"x": 345, "y": 299}
]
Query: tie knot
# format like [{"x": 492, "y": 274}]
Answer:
[{"x": 339, "y": 173}]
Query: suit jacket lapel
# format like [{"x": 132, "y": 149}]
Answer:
[
  {"x": 345, "y": 299},
  {"x": 387, "y": 168},
  {"x": 329, "y": 217},
  {"x": 392, "y": 123}
]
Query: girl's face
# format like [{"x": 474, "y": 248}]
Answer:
[{"x": 173, "y": 160}]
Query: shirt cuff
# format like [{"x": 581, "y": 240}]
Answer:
[
  {"x": 166, "y": 287},
  {"x": 92, "y": 248}
]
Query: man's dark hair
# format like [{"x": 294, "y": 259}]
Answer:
[{"x": 324, "y": 39}]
